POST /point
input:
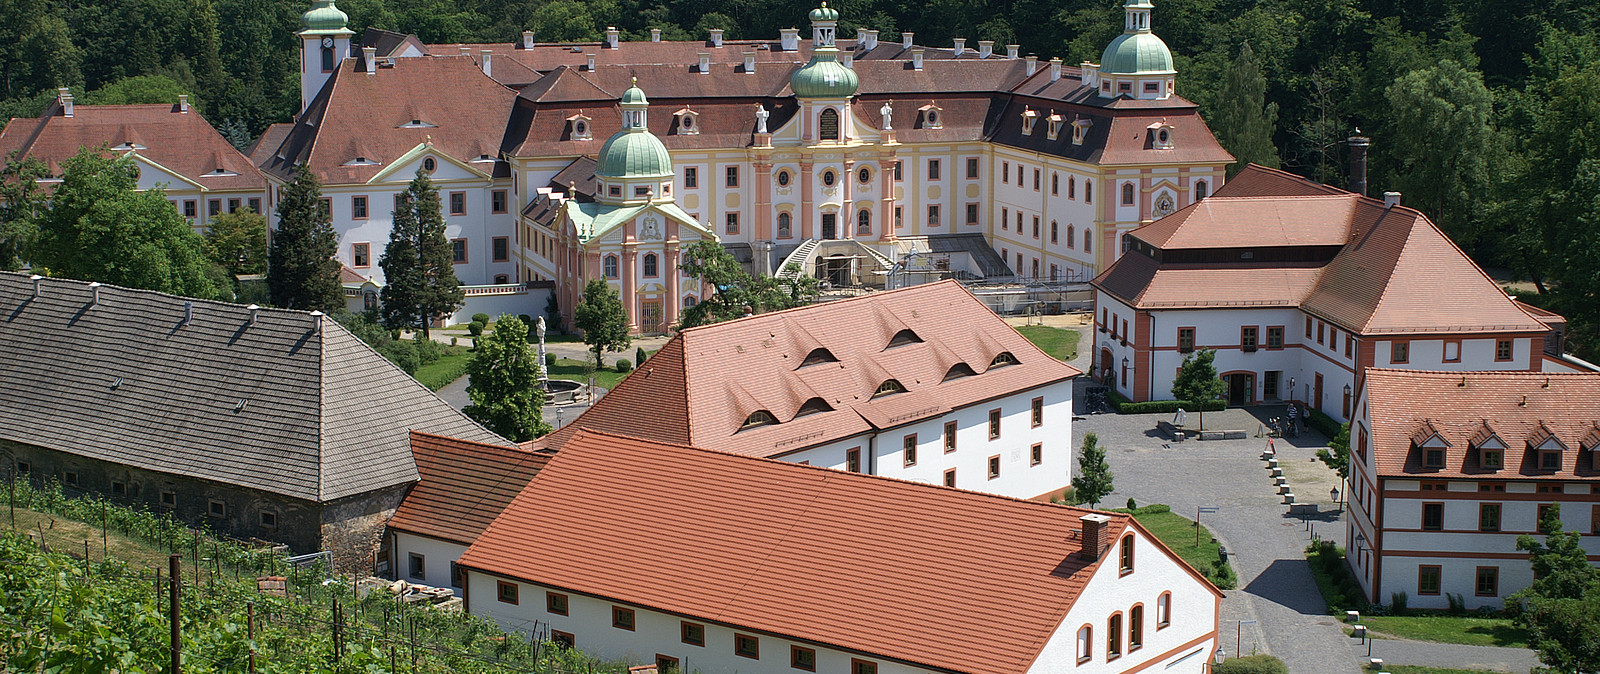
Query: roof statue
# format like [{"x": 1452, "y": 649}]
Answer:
[
  {"x": 1137, "y": 51},
  {"x": 888, "y": 115},
  {"x": 761, "y": 118}
]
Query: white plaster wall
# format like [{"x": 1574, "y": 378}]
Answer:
[
  {"x": 479, "y": 226},
  {"x": 1456, "y": 576},
  {"x": 1476, "y": 354},
  {"x": 437, "y": 556},
  {"x": 531, "y": 302}
]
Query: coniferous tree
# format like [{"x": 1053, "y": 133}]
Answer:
[
  {"x": 301, "y": 270},
  {"x": 1093, "y": 481},
  {"x": 602, "y": 319},
  {"x": 418, "y": 262},
  {"x": 503, "y": 382},
  {"x": 1242, "y": 118},
  {"x": 1561, "y": 609}
]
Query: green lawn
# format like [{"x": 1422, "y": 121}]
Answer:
[
  {"x": 1471, "y": 630},
  {"x": 1413, "y": 669},
  {"x": 1178, "y": 533},
  {"x": 1063, "y": 344},
  {"x": 451, "y": 365},
  {"x": 566, "y": 368}
]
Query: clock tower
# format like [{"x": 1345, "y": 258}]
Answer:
[{"x": 323, "y": 44}]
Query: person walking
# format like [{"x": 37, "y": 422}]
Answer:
[{"x": 1294, "y": 418}]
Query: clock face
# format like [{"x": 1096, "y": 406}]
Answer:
[{"x": 327, "y": 42}]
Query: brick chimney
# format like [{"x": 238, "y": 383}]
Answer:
[
  {"x": 64, "y": 95},
  {"x": 485, "y": 63},
  {"x": 961, "y": 47},
  {"x": 369, "y": 55},
  {"x": 1094, "y": 533},
  {"x": 655, "y": 34},
  {"x": 985, "y": 48},
  {"x": 716, "y": 38},
  {"x": 613, "y": 37},
  {"x": 527, "y": 39},
  {"x": 789, "y": 39},
  {"x": 1358, "y": 163},
  {"x": 1013, "y": 51},
  {"x": 907, "y": 39}
]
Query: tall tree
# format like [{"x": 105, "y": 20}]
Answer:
[
  {"x": 1093, "y": 481},
  {"x": 22, "y": 201},
  {"x": 237, "y": 242},
  {"x": 602, "y": 319},
  {"x": 1443, "y": 115},
  {"x": 1198, "y": 382},
  {"x": 503, "y": 383},
  {"x": 1241, "y": 116},
  {"x": 301, "y": 270},
  {"x": 101, "y": 227},
  {"x": 418, "y": 262},
  {"x": 1561, "y": 609},
  {"x": 733, "y": 291}
]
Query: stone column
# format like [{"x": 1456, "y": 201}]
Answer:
[
  {"x": 806, "y": 206},
  {"x": 846, "y": 208},
  {"x": 670, "y": 308},
  {"x": 630, "y": 284}
]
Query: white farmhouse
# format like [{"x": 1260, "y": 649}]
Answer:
[{"x": 698, "y": 560}]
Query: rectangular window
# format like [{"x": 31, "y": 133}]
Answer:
[
  {"x": 933, "y": 214},
  {"x": 189, "y": 209},
  {"x": 1399, "y": 352},
  {"x": 1488, "y": 582},
  {"x": 1275, "y": 337},
  {"x": 1433, "y": 458},
  {"x": 1544, "y": 510},
  {"x": 899, "y": 216},
  {"x": 933, "y": 169},
  {"x": 972, "y": 214},
  {"x": 458, "y": 251},
  {"x": 1320, "y": 327},
  {"x": 563, "y": 639},
  {"x": 1038, "y": 412},
  {"x": 360, "y": 255},
  {"x": 233, "y": 205},
  {"x": 1036, "y": 454},
  {"x": 746, "y": 646},
  {"x": 733, "y": 176},
  {"x": 502, "y": 248},
  {"x": 803, "y": 658},
  {"x": 733, "y": 223},
  {"x": 419, "y": 566},
  {"x": 497, "y": 201},
  {"x": 457, "y": 576},
  {"x": 168, "y": 498},
  {"x": 1502, "y": 349},
  {"x": 897, "y": 172},
  {"x": 994, "y": 466},
  {"x": 1005, "y": 218},
  {"x": 506, "y": 592},
  {"x": 1594, "y": 520},
  {"x": 70, "y": 477},
  {"x": 1349, "y": 345},
  {"x": 1493, "y": 459},
  {"x": 458, "y": 203},
  {"x": 691, "y": 178},
  {"x": 693, "y": 634},
  {"x": 214, "y": 207},
  {"x": 1489, "y": 517},
  {"x": 863, "y": 667},
  {"x": 949, "y": 437},
  {"x": 1247, "y": 338},
  {"x": 640, "y": 191},
  {"x": 1433, "y": 517},
  {"x": 666, "y": 664},
  {"x": 555, "y": 602},
  {"x": 1549, "y": 460},
  {"x": 358, "y": 207},
  {"x": 910, "y": 449},
  {"x": 950, "y": 479},
  {"x": 1036, "y": 180},
  {"x": 1308, "y": 327},
  {"x": 852, "y": 460},
  {"x": 269, "y": 519},
  {"x": 1005, "y": 172},
  {"x": 1036, "y": 230},
  {"x": 255, "y": 204},
  {"x": 994, "y": 424},
  {"x": 119, "y": 488},
  {"x": 217, "y": 508},
  {"x": 972, "y": 167},
  {"x": 622, "y": 618},
  {"x": 1185, "y": 340},
  {"x": 1428, "y": 577}
]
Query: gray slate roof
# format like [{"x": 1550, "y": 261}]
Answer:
[{"x": 125, "y": 380}]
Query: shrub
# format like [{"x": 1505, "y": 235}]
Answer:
[
  {"x": 1323, "y": 423},
  {"x": 1254, "y": 664},
  {"x": 481, "y": 317},
  {"x": 1399, "y": 599},
  {"x": 549, "y": 360},
  {"x": 528, "y": 320},
  {"x": 475, "y": 328},
  {"x": 1132, "y": 505},
  {"x": 1165, "y": 406},
  {"x": 639, "y": 355},
  {"x": 1458, "y": 603},
  {"x": 1333, "y": 578},
  {"x": 453, "y": 341},
  {"x": 427, "y": 350},
  {"x": 623, "y": 365},
  {"x": 403, "y": 354},
  {"x": 1222, "y": 575}
]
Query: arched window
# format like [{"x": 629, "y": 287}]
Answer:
[
  {"x": 785, "y": 226},
  {"x": 1055, "y": 184},
  {"x": 651, "y": 264},
  {"x": 1127, "y": 554},
  {"x": 1201, "y": 189},
  {"x": 958, "y": 371},
  {"x": 819, "y": 355},
  {"x": 813, "y": 406},
  {"x": 689, "y": 301},
  {"x": 864, "y": 222},
  {"x": 1003, "y": 359},
  {"x": 758, "y": 418},
  {"x": 327, "y": 59},
  {"x": 906, "y": 336},
  {"x": 609, "y": 266},
  {"x": 1164, "y": 610},
  {"x": 1135, "y": 627},
  {"x": 1072, "y": 239},
  {"x": 1072, "y": 187},
  {"x": 1085, "y": 643},
  {"x": 1055, "y": 230},
  {"x": 1127, "y": 194},
  {"x": 888, "y": 387},
  {"x": 1114, "y": 636},
  {"x": 1088, "y": 191},
  {"x": 1088, "y": 235},
  {"x": 828, "y": 123}
]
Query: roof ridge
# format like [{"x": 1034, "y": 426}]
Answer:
[
  {"x": 830, "y": 303},
  {"x": 144, "y": 291},
  {"x": 1388, "y": 282},
  {"x": 1532, "y": 374}
]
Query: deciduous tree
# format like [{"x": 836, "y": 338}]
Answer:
[
  {"x": 1561, "y": 609},
  {"x": 733, "y": 290},
  {"x": 503, "y": 382},
  {"x": 602, "y": 319},
  {"x": 1093, "y": 481},
  {"x": 301, "y": 270},
  {"x": 237, "y": 242},
  {"x": 1198, "y": 382},
  {"x": 22, "y": 201}
]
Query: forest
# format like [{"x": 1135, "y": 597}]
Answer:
[{"x": 1485, "y": 115}]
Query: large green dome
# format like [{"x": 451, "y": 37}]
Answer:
[
  {"x": 634, "y": 154},
  {"x": 1140, "y": 53},
  {"x": 824, "y": 77},
  {"x": 324, "y": 17}
]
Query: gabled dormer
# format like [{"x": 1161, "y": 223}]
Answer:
[
  {"x": 1029, "y": 118},
  {"x": 686, "y": 122},
  {"x": 580, "y": 127},
  {"x": 1160, "y": 136},
  {"x": 1547, "y": 449},
  {"x": 1489, "y": 447},
  {"x": 1055, "y": 120},
  {"x": 1080, "y": 129},
  {"x": 1430, "y": 445},
  {"x": 930, "y": 116}
]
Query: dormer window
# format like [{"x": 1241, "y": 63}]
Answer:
[
  {"x": 220, "y": 172},
  {"x": 1161, "y": 136},
  {"x": 688, "y": 122},
  {"x": 418, "y": 124},
  {"x": 361, "y": 161},
  {"x": 1432, "y": 458},
  {"x": 818, "y": 355},
  {"x": 1003, "y": 359},
  {"x": 1055, "y": 125},
  {"x": 1491, "y": 459},
  {"x": 1029, "y": 118},
  {"x": 888, "y": 387},
  {"x": 903, "y": 337},
  {"x": 579, "y": 127},
  {"x": 483, "y": 159},
  {"x": 1080, "y": 129},
  {"x": 932, "y": 116},
  {"x": 958, "y": 371},
  {"x": 1549, "y": 460},
  {"x": 813, "y": 406},
  {"x": 758, "y": 418}
]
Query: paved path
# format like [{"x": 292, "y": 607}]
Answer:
[{"x": 1455, "y": 656}]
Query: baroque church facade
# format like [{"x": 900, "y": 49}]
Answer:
[{"x": 852, "y": 160}]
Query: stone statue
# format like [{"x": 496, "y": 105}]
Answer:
[
  {"x": 538, "y": 328},
  {"x": 761, "y": 118},
  {"x": 888, "y": 115}
]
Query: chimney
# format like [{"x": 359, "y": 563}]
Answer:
[
  {"x": 1094, "y": 528},
  {"x": 868, "y": 39},
  {"x": 907, "y": 40},
  {"x": 38, "y": 285},
  {"x": 1013, "y": 50},
  {"x": 916, "y": 59},
  {"x": 1391, "y": 199},
  {"x": 64, "y": 95},
  {"x": 485, "y": 63},
  {"x": 985, "y": 48},
  {"x": 847, "y": 59},
  {"x": 466, "y": 51},
  {"x": 316, "y": 322},
  {"x": 1055, "y": 69},
  {"x": 716, "y": 38},
  {"x": 589, "y": 63},
  {"x": 613, "y": 37},
  {"x": 749, "y": 62},
  {"x": 705, "y": 62},
  {"x": 255, "y": 313},
  {"x": 961, "y": 47},
  {"x": 370, "y": 56},
  {"x": 527, "y": 39},
  {"x": 788, "y": 39},
  {"x": 183, "y": 103},
  {"x": 95, "y": 288},
  {"x": 655, "y": 34},
  {"x": 1358, "y": 163},
  {"x": 188, "y": 313},
  {"x": 1033, "y": 64}
]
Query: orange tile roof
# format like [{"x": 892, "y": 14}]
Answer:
[
  {"x": 183, "y": 142},
  {"x": 702, "y": 386},
  {"x": 938, "y": 577},
  {"x": 1150, "y": 285},
  {"x": 1520, "y": 408},
  {"x": 463, "y": 486},
  {"x": 1249, "y": 222}
]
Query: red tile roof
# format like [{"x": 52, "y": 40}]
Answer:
[
  {"x": 695, "y": 398},
  {"x": 1521, "y": 408},
  {"x": 463, "y": 486},
  {"x": 803, "y": 552},
  {"x": 1253, "y": 222},
  {"x": 182, "y": 142}
]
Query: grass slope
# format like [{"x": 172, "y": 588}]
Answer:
[
  {"x": 1060, "y": 343},
  {"x": 1449, "y": 629},
  {"x": 1178, "y": 533}
]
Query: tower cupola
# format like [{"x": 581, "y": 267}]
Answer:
[
  {"x": 324, "y": 44},
  {"x": 1137, "y": 63},
  {"x": 633, "y": 164},
  {"x": 824, "y": 76}
]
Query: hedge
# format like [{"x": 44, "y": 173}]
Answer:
[
  {"x": 1167, "y": 406},
  {"x": 1252, "y": 664},
  {"x": 1323, "y": 424}
]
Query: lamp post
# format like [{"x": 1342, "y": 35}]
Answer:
[
  {"x": 1333, "y": 495},
  {"x": 1217, "y": 657}
]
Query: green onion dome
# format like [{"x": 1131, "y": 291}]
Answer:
[
  {"x": 824, "y": 76},
  {"x": 324, "y": 17}
]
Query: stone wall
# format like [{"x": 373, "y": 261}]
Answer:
[{"x": 353, "y": 527}]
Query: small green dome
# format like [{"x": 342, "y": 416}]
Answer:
[
  {"x": 634, "y": 153},
  {"x": 323, "y": 16},
  {"x": 824, "y": 77},
  {"x": 823, "y": 13},
  {"x": 1136, "y": 53},
  {"x": 634, "y": 95}
]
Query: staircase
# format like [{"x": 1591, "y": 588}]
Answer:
[{"x": 799, "y": 257}]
